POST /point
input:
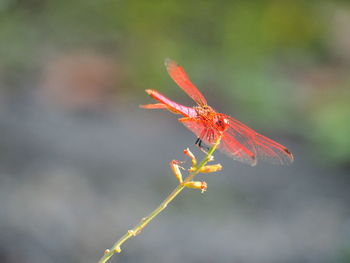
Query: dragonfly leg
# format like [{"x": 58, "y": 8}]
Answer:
[
  {"x": 198, "y": 141},
  {"x": 201, "y": 147}
]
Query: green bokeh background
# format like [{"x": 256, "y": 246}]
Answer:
[
  {"x": 261, "y": 56},
  {"x": 280, "y": 66}
]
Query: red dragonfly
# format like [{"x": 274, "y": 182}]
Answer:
[{"x": 237, "y": 140}]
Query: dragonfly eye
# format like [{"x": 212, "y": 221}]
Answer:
[{"x": 222, "y": 124}]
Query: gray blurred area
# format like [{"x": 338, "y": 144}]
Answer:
[
  {"x": 81, "y": 163},
  {"x": 73, "y": 179}
]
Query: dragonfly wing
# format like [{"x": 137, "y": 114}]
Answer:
[
  {"x": 154, "y": 106},
  {"x": 272, "y": 151},
  {"x": 237, "y": 150},
  {"x": 228, "y": 144},
  {"x": 177, "y": 73},
  {"x": 263, "y": 147},
  {"x": 160, "y": 106},
  {"x": 195, "y": 126}
]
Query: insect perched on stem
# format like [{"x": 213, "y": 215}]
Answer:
[{"x": 237, "y": 140}]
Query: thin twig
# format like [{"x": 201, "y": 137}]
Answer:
[{"x": 144, "y": 221}]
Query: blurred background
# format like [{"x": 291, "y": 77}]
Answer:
[{"x": 80, "y": 163}]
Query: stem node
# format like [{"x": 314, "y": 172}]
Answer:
[{"x": 132, "y": 232}]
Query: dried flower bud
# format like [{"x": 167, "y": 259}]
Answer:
[
  {"x": 211, "y": 168},
  {"x": 197, "y": 185},
  {"x": 174, "y": 165},
  {"x": 191, "y": 155}
]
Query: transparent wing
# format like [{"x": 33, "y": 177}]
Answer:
[
  {"x": 262, "y": 147},
  {"x": 237, "y": 150},
  {"x": 228, "y": 145},
  {"x": 154, "y": 106},
  {"x": 195, "y": 126},
  {"x": 177, "y": 73}
]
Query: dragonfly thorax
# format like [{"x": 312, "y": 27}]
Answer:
[
  {"x": 221, "y": 122},
  {"x": 216, "y": 121}
]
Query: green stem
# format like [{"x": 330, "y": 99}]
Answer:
[{"x": 138, "y": 228}]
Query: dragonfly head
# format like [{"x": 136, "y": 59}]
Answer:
[{"x": 222, "y": 123}]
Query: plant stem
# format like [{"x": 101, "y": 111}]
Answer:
[{"x": 144, "y": 221}]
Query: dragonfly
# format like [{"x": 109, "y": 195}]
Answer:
[{"x": 237, "y": 140}]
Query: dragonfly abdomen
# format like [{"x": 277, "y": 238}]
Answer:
[{"x": 172, "y": 105}]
